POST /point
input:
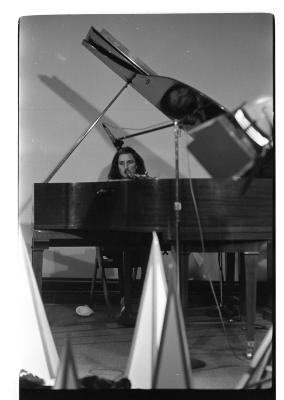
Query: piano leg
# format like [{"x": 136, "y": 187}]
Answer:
[
  {"x": 268, "y": 310},
  {"x": 127, "y": 280},
  {"x": 183, "y": 278},
  {"x": 230, "y": 277},
  {"x": 251, "y": 259}
]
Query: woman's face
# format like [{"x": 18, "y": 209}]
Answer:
[{"x": 127, "y": 165}]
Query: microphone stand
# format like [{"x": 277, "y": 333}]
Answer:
[
  {"x": 195, "y": 363},
  {"x": 148, "y": 131},
  {"x": 116, "y": 142},
  {"x": 177, "y": 203}
]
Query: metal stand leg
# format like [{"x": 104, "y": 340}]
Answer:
[
  {"x": 251, "y": 284},
  {"x": 104, "y": 281},
  {"x": 184, "y": 279},
  {"x": 94, "y": 279},
  {"x": 269, "y": 309},
  {"x": 242, "y": 280},
  {"x": 127, "y": 281},
  {"x": 230, "y": 273},
  {"x": 177, "y": 207}
]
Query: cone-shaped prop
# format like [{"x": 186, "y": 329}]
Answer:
[
  {"x": 148, "y": 329},
  {"x": 259, "y": 374},
  {"x": 173, "y": 369},
  {"x": 67, "y": 377},
  {"x": 38, "y": 354}
]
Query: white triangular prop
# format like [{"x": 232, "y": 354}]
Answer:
[
  {"x": 38, "y": 354},
  {"x": 173, "y": 369},
  {"x": 148, "y": 329},
  {"x": 67, "y": 377}
]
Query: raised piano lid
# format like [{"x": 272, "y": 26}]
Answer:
[
  {"x": 175, "y": 99},
  {"x": 115, "y": 55}
]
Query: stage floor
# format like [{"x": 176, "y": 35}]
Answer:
[{"x": 101, "y": 347}]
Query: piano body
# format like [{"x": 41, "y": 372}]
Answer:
[{"x": 124, "y": 213}]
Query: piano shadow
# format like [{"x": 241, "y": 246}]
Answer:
[{"x": 90, "y": 113}]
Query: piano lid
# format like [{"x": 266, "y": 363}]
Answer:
[
  {"x": 115, "y": 55},
  {"x": 177, "y": 100}
]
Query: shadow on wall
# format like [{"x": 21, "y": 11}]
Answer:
[
  {"x": 90, "y": 113},
  {"x": 70, "y": 264},
  {"x": 80, "y": 263}
]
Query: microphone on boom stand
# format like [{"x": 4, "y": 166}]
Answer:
[{"x": 116, "y": 142}]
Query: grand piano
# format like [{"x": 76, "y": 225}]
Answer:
[{"x": 124, "y": 213}]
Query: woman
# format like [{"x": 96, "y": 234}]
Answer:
[{"x": 127, "y": 164}]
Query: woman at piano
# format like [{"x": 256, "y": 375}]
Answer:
[{"x": 127, "y": 164}]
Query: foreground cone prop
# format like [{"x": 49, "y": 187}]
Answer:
[
  {"x": 259, "y": 374},
  {"x": 173, "y": 369},
  {"x": 38, "y": 354},
  {"x": 67, "y": 377},
  {"x": 148, "y": 329}
]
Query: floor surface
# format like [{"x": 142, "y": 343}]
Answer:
[{"x": 101, "y": 347}]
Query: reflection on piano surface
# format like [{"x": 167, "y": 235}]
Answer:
[{"x": 147, "y": 205}]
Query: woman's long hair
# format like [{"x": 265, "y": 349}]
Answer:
[{"x": 114, "y": 171}]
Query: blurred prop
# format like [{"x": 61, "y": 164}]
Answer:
[
  {"x": 257, "y": 121},
  {"x": 233, "y": 144},
  {"x": 67, "y": 377},
  {"x": 38, "y": 353},
  {"x": 222, "y": 148},
  {"x": 94, "y": 382},
  {"x": 30, "y": 381},
  {"x": 84, "y": 311},
  {"x": 148, "y": 329},
  {"x": 89, "y": 382},
  {"x": 259, "y": 374},
  {"x": 173, "y": 369}
]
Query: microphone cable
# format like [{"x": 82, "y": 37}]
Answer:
[{"x": 206, "y": 276}]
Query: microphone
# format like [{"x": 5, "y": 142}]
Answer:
[
  {"x": 131, "y": 175},
  {"x": 116, "y": 142}
]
